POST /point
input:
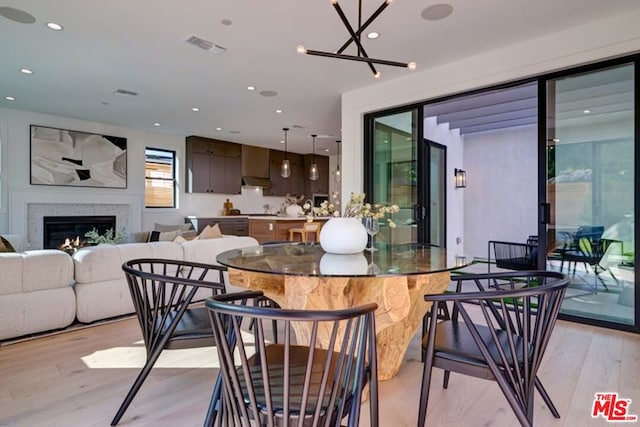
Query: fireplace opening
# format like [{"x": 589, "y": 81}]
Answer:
[{"x": 57, "y": 229}]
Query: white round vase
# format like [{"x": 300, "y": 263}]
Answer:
[
  {"x": 294, "y": 210},
  {"x": 343, "y": 236},
  {"x": 343, "y": 264}
]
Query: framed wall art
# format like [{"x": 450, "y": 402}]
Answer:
[{"x": 78, "y": 159}]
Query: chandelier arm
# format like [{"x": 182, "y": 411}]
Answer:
[
  {"x": 361, "y": 51},
  {"x": 365, "y": 25},
  {"x": 356, "y": 58}
]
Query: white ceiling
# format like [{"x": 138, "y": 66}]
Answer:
[{"x": 139, "y": 46}]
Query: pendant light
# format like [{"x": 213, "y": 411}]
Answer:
[
  {"x": 285, "y": 169},
  {"x": 337, "y": 176},
  {"x": 313, "y": 170}
]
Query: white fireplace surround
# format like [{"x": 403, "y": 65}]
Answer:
[{"x": 30, "y": 208}]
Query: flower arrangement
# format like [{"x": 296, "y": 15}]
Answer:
[{"x": 357, "y": 208}]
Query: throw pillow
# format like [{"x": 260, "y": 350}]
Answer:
[
  {"x": 171, "y": 227},
  {"x": 179, "y": 239},
  {"x": 163, "y": 236},
  {"x": 5, "y": 245},
  {"x": 210, "y": 232}
]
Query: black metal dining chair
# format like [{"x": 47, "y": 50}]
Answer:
[
  {"x": 499, "y": 332},
  {"x": 163, "y": 291},
  {"x": 316, "y": 375}
]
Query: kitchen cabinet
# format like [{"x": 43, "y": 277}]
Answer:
[
  {"x": 238, "y": 226},
  {"x": 321, "y": 185},
  {"x": 280, "y": 186},
  {"x": 213, "y": 166}
]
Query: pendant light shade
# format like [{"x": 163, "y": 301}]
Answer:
[
  {"x": 285, "y": 169},
  {"x": 337, "y": 176},
  {"x": 313, "y": 170}
]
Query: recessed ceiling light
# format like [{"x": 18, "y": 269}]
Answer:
[
  {"x": 279, "y": 111},
  {"x": 218, "y": 129},
  {"x": 437, "y": 12},
  {"x": 26, "y": 71},
  {"x": 156, "y": 124},
  {"x": 251, "y": 88},
  {"x": 9, "y": 98},
  {"x": 282, "y": 141},
  {"x": 373, "y": 35},
  {"x": 54, "y": 26},
  {"x": 268, "y": 93},
  {"x": 226, "y": 22},
  {"x": 326, "y": 150},
  {"x": 586, "y": 111},
  {"x": 195, "y": 109}
]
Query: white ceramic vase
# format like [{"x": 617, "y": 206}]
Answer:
[
  {"x": 294, "y": 210},
  {"x": 343, "y": 264},
  {"x": 343, "y": 236}
]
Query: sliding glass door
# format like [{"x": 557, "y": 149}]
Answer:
[
  {"x": 404, "y": 169},
  {"x": 590, "y": 191}
]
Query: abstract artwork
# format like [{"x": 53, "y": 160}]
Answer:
[{"x": 80, "y": 159}]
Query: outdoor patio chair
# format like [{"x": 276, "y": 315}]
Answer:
[
  {"x": 499, "y": 331},
  {"x": 316, "y": 375},
  {"x": 513, "y": 255},
  {"x": 162, "y": 292}
]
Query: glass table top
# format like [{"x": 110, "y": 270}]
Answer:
[{"x": 311, "y": 260}]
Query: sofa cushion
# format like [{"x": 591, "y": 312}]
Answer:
[
  {"x": 46, "y": 269},
  {"x": 11, "y": 276},
  {"x": 97, "y": 263}
]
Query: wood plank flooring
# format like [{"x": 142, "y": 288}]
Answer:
[{"x": 79, "y": 378}]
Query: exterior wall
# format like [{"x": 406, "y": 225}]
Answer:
[{"x": 501, "y": 198}]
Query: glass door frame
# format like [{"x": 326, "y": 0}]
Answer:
[
  {"x": 420, "y": 208},
  {"x": 544, "y": 205}
]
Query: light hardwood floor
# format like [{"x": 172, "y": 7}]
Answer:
[{"x": 79, "y": 379}]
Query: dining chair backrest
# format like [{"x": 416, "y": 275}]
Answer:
[
  {"x": 162, "y": 291},
  {"x": 506, "y": 324},
  {"x": 314, "y": 376}
]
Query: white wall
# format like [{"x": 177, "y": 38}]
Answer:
[
  {"x": 17, "y": 192},
  {"x": 579, "y": 45},
  {"x": 501, "y": 198}
]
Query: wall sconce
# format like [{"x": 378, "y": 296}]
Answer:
[{"x": 460, "y": 178}]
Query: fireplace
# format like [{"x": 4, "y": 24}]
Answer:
[{"x": 57, "y": 229}]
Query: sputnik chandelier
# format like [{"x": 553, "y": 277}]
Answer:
[{"x": 355, "y": 38}]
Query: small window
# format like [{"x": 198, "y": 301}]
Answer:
[{"x": 160, "y": 178}]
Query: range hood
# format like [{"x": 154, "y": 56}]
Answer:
[{"x": 255, "y": 166}]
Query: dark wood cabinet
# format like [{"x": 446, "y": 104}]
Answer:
[
  {"x": 213, "y": 166},
  {"x": 280, "y": 186},
  {"x": 320, "y": 186},
  {"x": 238, "y": 226}
]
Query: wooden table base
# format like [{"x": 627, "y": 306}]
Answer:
[{"x": 400, "y": 300}]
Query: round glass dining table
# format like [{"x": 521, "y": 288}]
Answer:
[{"x": 396, "y": 277}]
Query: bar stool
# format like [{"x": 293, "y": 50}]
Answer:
[{"x": 304, "y": 231}]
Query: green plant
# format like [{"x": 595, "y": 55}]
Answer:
[{"x": 110, "y": 236}]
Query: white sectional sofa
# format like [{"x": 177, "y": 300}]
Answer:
[
  {"x": 47, "y": 289},
  {"x": 36, "y": 292},
  {"x": 100, "y": 285}
]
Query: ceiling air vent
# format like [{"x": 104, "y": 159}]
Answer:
[
  {"x": 205, "y": 44},
  {"x": 124, "y": 92}
]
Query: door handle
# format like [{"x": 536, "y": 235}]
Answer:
[
  {"x": 545, "y": 213},
  {"x": 418, "y": 212}
]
